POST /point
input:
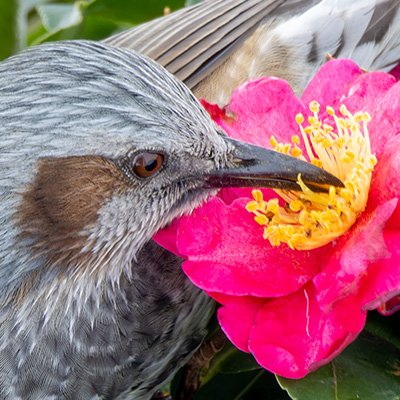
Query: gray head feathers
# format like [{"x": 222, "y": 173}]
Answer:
[{"x": 85, "y": 99}]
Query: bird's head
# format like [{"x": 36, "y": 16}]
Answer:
[{"x": 101, "y": 147}]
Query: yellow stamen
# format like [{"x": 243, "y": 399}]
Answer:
[{"x": 309, "y": 220}]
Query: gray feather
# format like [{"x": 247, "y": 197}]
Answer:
[{"x": 194, "y": 42}]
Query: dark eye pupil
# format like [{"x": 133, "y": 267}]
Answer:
[{"x": 150, "y": 165}]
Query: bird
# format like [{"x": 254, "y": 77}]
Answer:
[
  {"x": 215, "y": 46},
  {"x": 100, "y": 148}
]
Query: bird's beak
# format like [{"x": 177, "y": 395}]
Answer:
[{"x": 258, "y": 167}]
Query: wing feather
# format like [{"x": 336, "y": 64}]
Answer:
[
  {"x": 191, "y": 43},
  {"x": 236, "y": 40}
]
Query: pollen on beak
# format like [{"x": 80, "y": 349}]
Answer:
[{"x": 259, "y": 167}]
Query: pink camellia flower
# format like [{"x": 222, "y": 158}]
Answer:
[{"x": 296, "y": 275}]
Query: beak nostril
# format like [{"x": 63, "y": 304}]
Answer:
[{"x": 237, "y": 160}]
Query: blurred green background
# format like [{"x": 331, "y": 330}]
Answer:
[{"x": 27, "y": 22}]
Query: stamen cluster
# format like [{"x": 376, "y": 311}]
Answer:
[{"x": 306, "y": 220}]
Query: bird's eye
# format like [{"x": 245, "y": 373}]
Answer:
[{"x": 147, "y": 164}]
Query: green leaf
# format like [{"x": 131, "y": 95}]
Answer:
[
  {"x": 8, "y": 27},
  {"x": 227, "y": 387},
  {"x": 94, "y": 19},
  {"x": 369, "y": 369},
  {"x": 98, "y": 28},
  {"x": 236, "y": 361},
  {"x": 132, "y": 11},
  {"x": 229, "y": 361},
  {"x": 59, "y": 16},
  {"x": 29, "y": 22},
  {"x": 61, "y": 21},
  {"x": 243, "y": 386},
  {"x": 386, "y": 328}
]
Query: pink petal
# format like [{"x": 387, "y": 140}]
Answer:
[
  {"x": 292, "y": 335},
  {"x": 229, "y": 195},
  {"x": 366, "y": 91},
  {"x": 385, "y": 183},
  {"x": 354, "y": 252},
  {"x": 167, "y": 237},
  {"x": 396, "y": 72},
  {"x": 331, "y": 82},
  {"x": 263, "y": 107},
  {"x": 377, "y": 93},
  {"x": 385, "y": 123},
  {"x": 217, "y": 113},
  {"x": 226, "y": 253},
  {"x": 382, "y": 283},
  {"x": 373, "y": 92},
  {"x": 237, "y": 319},
  {"x": 390, "y": 307}
]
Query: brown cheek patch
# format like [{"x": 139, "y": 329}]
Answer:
[{"x": 63, "y": 200}]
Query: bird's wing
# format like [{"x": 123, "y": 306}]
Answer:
[
  {"x": 217, "y": 45},
  {"x": 192, "y": 42},
  {"x": 367, "y": 31}
]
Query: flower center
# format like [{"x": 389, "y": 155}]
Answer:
[{"x": 308, "y": 220}]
